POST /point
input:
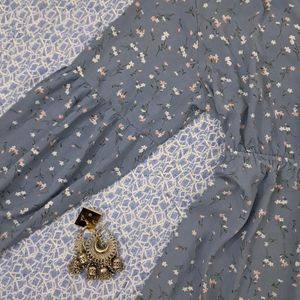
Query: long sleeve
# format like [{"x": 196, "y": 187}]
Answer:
[{"x": 90, "y": 123}]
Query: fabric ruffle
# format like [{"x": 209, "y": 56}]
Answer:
[{"x": 242, "y": 223}]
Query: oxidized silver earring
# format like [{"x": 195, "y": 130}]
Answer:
[{"x": 98, "y": 253}]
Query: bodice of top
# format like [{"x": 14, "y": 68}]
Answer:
[{"x": 251, "y": 75}]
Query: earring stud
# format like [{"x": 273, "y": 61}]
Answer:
[{"x": 97, "y": 253}]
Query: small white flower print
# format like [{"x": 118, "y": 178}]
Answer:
[
  {"x": 260, "y": 234},
  {"x": 139, "y": 86},
  {"x": 256, "y": 275},
  {"x": 264, "y": 71},
  {"x": 16, "y": 222},
  {"x": 68, "y": 104},
  {"x": 121, "y": 93},
  {"x": 268, "y": 138},
  {"x": 67, "y": 192},
  {"x": 281, "y": 202},
  {"x": 114, "y": 31},
  {"x": 164, "y": 36},
  {"x": 154, "y": 19},
  {"x": 8, "y": 215},
  {"x": 62, "y": 180},
  {"x": 35, "y": 150},
  {"x": 286, "y": 129},
  {"x": 140, "y": 32},
  {"x": 48, "y": 204},
  {"x": 93, "y": 119},
  {"x": 13, "y": 150},
  {"x": 41, "y": 185},
  {"x": 130, "y": 65},
  {"x": 223, "y": 217},
  {"x": 164, "y": 264},
  {"x": 176, "y": 91},
  {"x": 182, "y": 50},
  {"x": 142, "y": 149},
  {"x": 267, "y": 115},
  {"x": 131, "y": 138},
  {"x": 134, "y": 47},
  {"x": 168, "y": 115},
  {"x": 227, "y": 193},
  {"x": 78, "y": 134},
  {"x": 117, "y": 170},
  {"x": 42, "y": 114},
  {"x": 232, "y": 268},
  {"x": 213, "y": 58},
  {"x": 21, "y": 194},
  {"x": 262, "y": 213},
  {"x": 216, "y": 22},
  {"x": 188, "y": 289},
  {"x": 21, "y": 162},
  {"x": 247, "y": 166},
  {"x": 292, "y": 39},
  {"x": 39, "y": 90},
  {"x": 54, "y": 153},
  {"x": 51, "y": 168},
  {"x": 278, "y": 114},
  {"x": 24, "y": 210},
  {"x": 114, "y": 51},
  {"x": 142, "y": 57},
  {"x": 89, "y": 177},
  {"x": 102, "y": 71},
  {"x": 159, "y": 133},
  {"x": 255, "y": 55},
  {"x": 228, "y": 60},
  {"x": 79, "y": 70},
  {"x": 162, "y": 85},
  {"x": 67, "y": 88},
  {"x": 268, "y": 262},
  {"x": 243, "y": 40}
]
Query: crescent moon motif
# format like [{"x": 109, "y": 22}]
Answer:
[{"x": 100, "y": 250}]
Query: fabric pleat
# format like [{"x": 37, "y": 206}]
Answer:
[
  {"x": 151, "y": 72},
  {"x": 90, "y": 123}
]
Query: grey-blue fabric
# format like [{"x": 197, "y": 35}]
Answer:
[{"x": 151, "y": 72}]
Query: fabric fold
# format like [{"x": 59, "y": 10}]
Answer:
[
  {"x": 90, "y": 123},
  {"x": 240, "y": 239}
]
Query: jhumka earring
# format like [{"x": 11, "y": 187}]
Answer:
[{"x": 96, "y": 249}]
